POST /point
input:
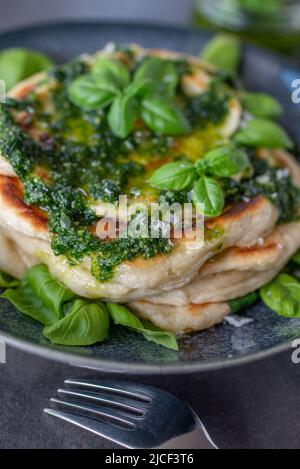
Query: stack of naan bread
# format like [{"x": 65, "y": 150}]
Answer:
[{"x": 185, "y": 290}]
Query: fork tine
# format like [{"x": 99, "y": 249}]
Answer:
[
  {"x": 97, "y": 411},
  {"x": 127, "y": 390},
  {"x": 122, "y": 403},
  {"x": 162, "y": 421},
  {"x": 99, "y": 428}
]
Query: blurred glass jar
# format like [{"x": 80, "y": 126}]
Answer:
[{"x": 271, "y": 23}]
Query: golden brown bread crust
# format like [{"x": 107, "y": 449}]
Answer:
[
  {"x": 236, "y": 212},
  {"x": 263, "y": 253},
  {"x": 237, "y": 271},
  {"x": 11, "y": 191},
  {"x": 182, "y": 319},
  {"x": 141, "y": 278}
]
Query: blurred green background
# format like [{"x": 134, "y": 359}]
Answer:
[{"x": 272, "y": 23}]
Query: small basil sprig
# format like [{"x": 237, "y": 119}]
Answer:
[
  {"x": 263, "y": 133},
  {"x": 282, "y": 295},
  {"x": 261, "y": 105},
  {"x": 224, "y": 161},
  {"x": 17, "y": 64},
  {"x": 44, "y": 299},
  {"x": 69, "y": 319},
  {"x": 122, "y": 316},
  {"x": 223, "y": 52},
  {"x": 148, "y": 96},
  {"x": 6, "y": 281},
  {"x": 208, "y": 197}
]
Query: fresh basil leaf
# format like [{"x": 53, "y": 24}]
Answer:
[
  {"x": 123, "y": 115},
  {"x": 175, "y": 176},
  {"x": 123, "y": 317},
  {"x": 282, "y": 295},
  {"x": 261, "y": 105},
  {"x": 25, "y": 301},
  {"x": 53, "y": 293},
  {"x": 159, "y": 336},
  {"x": 6, "y": 281},
  {"x": 86, "y": 324},
  {"x": 264, "y": 9},
  {"x": 238, "y": 304},
  {"x": 40, "y": 296},
  {"x": 113, "y": 68},
  {"x": 224, "y": 161},
  {"x": 223, "y": 52},
  {"x": 93, "y": 91},
  {"x": 141, "y": 88},
  {"x": 164, "y": 118},
  {"x": 208, "y": 192},
  {"x": 17, "y": 64},
  {"x": 161, "y": 72},
  {"x": 263, "y": 133}
]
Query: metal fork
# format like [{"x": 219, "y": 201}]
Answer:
[{"x": 131, "y": 415}]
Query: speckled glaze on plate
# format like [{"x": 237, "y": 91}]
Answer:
[{"x": 125, "y": 351}]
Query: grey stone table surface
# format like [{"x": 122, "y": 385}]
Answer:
[{"x": 254, "y": 406}]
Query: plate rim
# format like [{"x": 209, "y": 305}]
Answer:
[
  {"x": 112, "y": 366},
  {"x": 138, "y": 368}
]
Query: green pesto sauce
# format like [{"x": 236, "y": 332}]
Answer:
[
  {"x": 210, "y": 106},
  {"x": 272, "y": 182},
  {"x": 76, "y": 161}
]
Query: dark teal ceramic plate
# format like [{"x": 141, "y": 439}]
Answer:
[{"x": 126, "y": 351}]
